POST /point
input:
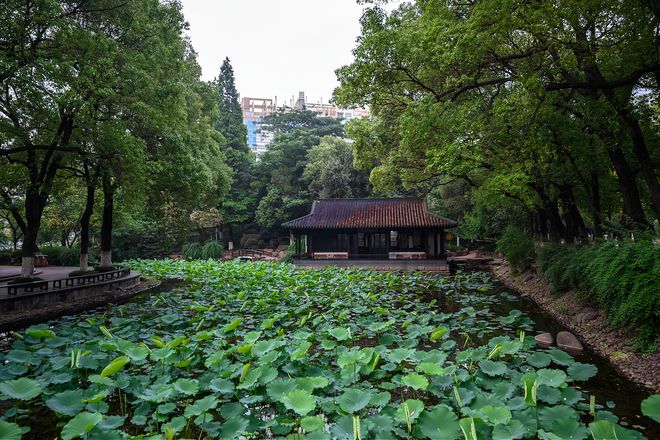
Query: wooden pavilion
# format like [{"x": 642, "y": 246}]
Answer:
[{"x": 378, "y": 229}]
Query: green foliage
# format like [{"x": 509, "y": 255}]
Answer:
[
  {"x": 619, "y": 277},
  {"x": 192, "y": 251},
  {"x": 517, "y": 246},
  {"x": 249, "y": 337},
  {"x": 472, "y": 98},
  {"x": 212, "y": 249},
  {"x": 62, "y": 256}
]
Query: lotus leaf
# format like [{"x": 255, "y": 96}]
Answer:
[
  {"x": 299, "y": 401},
  {"x": 651, "y": 407},
  {"x": 21, "y": 389},
  {"x": 439, "y": 423},
  {"x": 80, "y": 425},
  {"x": 10, "y": 431}
]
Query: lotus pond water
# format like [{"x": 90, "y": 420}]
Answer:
[{"x": 258, "y": 350}]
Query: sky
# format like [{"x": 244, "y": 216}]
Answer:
[{"x": 276, "y": 47}]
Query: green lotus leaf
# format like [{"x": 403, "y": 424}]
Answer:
[
  {"x": 468, "y": 427},
  {"x": 567, "y": 428},
  {"x": 188, "y": 387},
  {"x": 312, "y": 423},
  {"x": 233, "y": 325},
  {"x": 22, "y": 357},
  {"x": 344, "y": 429},
  {"x": 21, "y": 389},
  {"x": 514, "y": 429},
  {"x": 496, "y": 415},
  {"x": 560, "y": 357},
  {"x": 299, "y": 401},
  {"x": 430, "y": 368},
  {"x": 548, "y": 394},
  {"x": 550, "y": 377},
  {"x": 80, "y": 425},
  {"x": 353, "y": 400},
  {"x": 234, "y": 427},
  {"x": 339, "y": 333},
  {"x": 440, "y": 423},
  {"x": 10, "y": 431},
  {"x": 40, "y": 333},
  {"x": 201, "y": 406},
  {"x": 539, "y": 360},
  {"x": 312, "y": 383},
  {"x": 68, "y": 403},
  {"x": 415, "y": 381},
  {"x": 606, "y": 430},
  {"x": 349, "y": 357},
  {"x": 411, "y": 408},
  {"x": 301, "y": 350},
  {"x": 113, "y": 367},
  {"x": 399, "y": 355},
  {"x": 651, "y": 407},
  {"x": 380, "y": 399},
  {"x": 582, "y": 372},
  {"x": 438, "y": 333},
  {"x": 277, "y": 388},
  {"x": 137, "y": 353},
  {"x": 492, "y": 368},
  {"x": 232, "y": 409},
  {"x": 223, "y": 386},
  {"x": 548, "y": 415},
  {"x": 111, "y": 422},
  {"x": 530, "y": 384}
]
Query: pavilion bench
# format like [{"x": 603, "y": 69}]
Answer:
[
  {"x": 331, "y": 255},
  {"x": 407, "y": 255}
]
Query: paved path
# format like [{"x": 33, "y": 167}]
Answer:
[{"x": 47, "y": 273}]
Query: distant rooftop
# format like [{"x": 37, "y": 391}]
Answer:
[{"x": 369, "y": 213}]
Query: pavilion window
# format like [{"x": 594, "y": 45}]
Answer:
[
  {"x": 394, "y": 238},
  {"x": 343, "y": 241}
]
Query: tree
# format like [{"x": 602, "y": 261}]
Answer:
[
  {"x": 536, "y": 104},
  {"x": 237, "y": 207},
  {"x": 330, "y": 172}
]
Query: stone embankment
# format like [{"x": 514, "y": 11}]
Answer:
[
  {"x": 23, "y": 318},
  {"x": 589, "y": 324}
]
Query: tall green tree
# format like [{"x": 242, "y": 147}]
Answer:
[
  {"x": 549, "y": 106},
  {"x": 237, "y": 207}
]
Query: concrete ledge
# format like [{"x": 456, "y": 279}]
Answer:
[
  {"x": 331, "y": 255},
  {"x": 36, "y": 300},
  {"x": 407, "y": 255}
]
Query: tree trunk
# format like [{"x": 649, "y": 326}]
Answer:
[
  {"x": 642, "y": 155},
  {"x": 106, "y": 222},
  {"x": 572, "y": 218},
  {"x": 34, "y": 206},
  {"x": 84, "y": 226},
  {"x": 632, "y": 205},
  {"x": 596, "y": 211}
]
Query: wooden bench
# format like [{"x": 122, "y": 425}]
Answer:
[
  {"x": 331, "y": 255},
  {"x": 407, "y": 256}
]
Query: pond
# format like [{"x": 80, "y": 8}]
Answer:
[{"x": 258, "y": 350}]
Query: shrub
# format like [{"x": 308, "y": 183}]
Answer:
[
  {"x": 517, "y": 246},
  {"x": 251, "y": 241},
  {"x": 212, "y": 249},
  {"x": 620, "y": 278},
  {"x": 61, "y": 256},
  {"x": 192, "y": 251}
]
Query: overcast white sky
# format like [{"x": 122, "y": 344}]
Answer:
[{"x": 277, "y": 47}]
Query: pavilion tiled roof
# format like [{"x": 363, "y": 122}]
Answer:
[{"x": 368, "y": 214}]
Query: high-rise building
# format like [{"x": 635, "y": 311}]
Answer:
[{"x": 254, "y": 110}]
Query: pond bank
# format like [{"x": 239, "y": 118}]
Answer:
[
  {"x": 589, "y": 324},
  {"x": 19, "y": 319}
]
